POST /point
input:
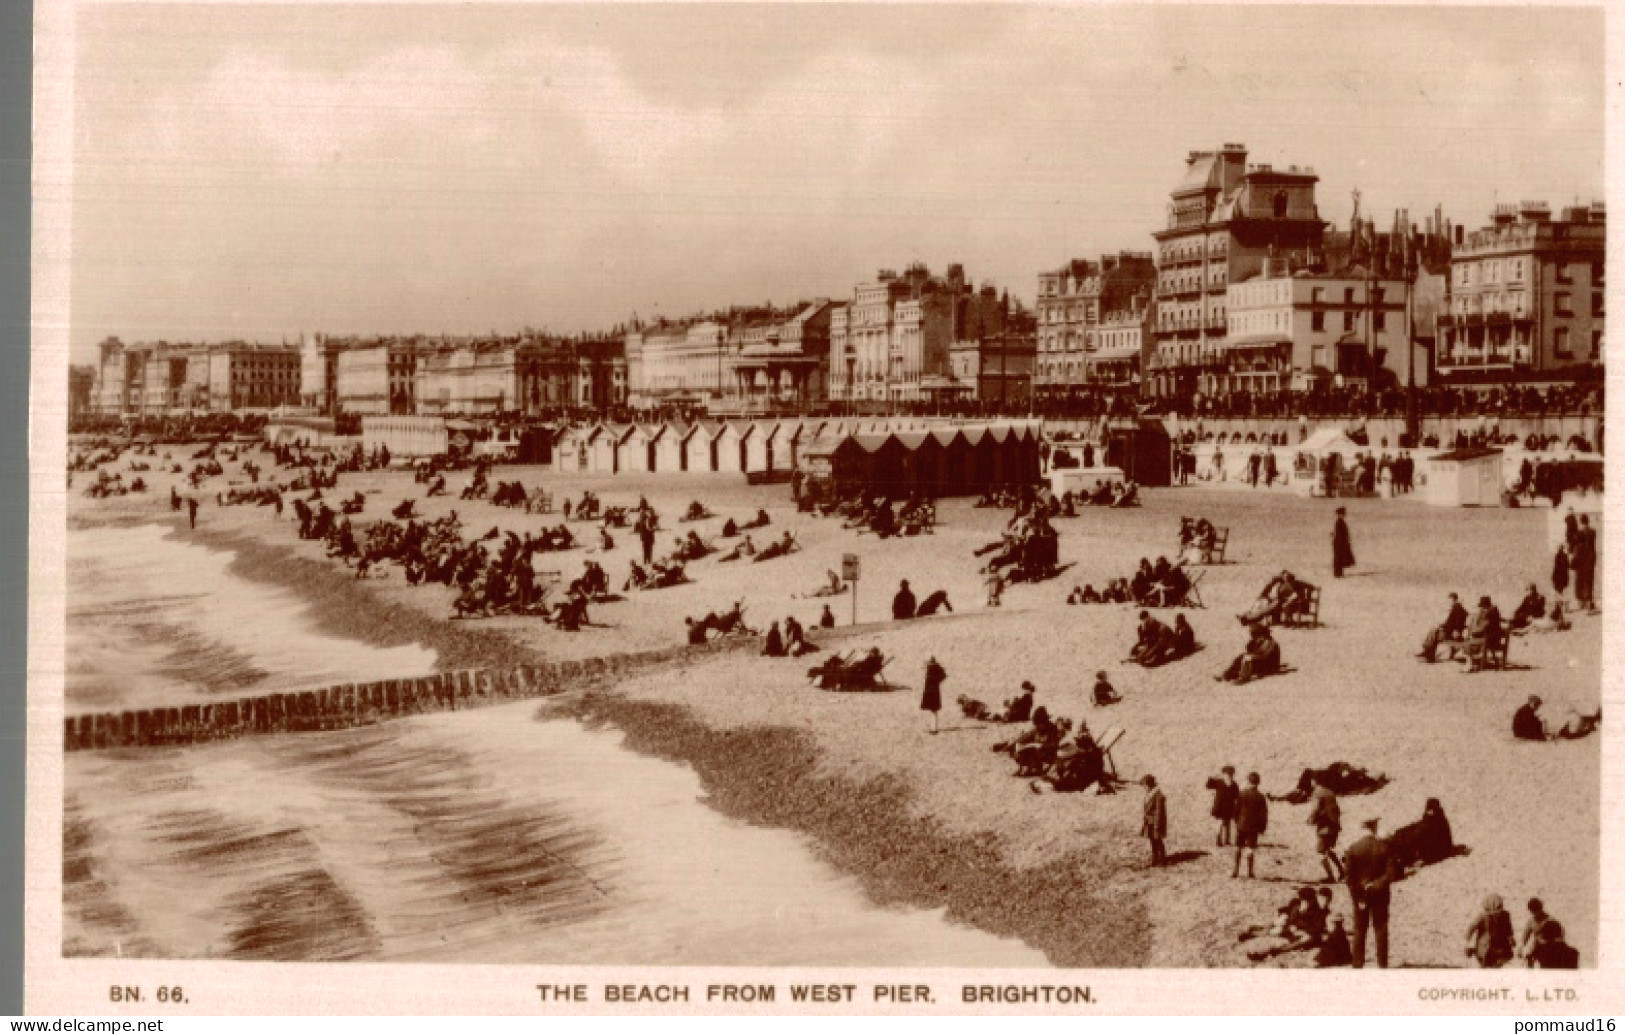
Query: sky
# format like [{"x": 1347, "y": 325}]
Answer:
[{"x": 261, "y": 171}]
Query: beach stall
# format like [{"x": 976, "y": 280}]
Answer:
[
  {"x": 570, "y": 449},
  {"x": 1310, "y": 456},
  {"x": 1464, "y": 477}
]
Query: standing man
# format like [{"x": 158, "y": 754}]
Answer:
[
  {"x": 1252, "y": 819},
  {"x": 1225, "y": 792},
  {"x": 1342, "y": 546},
  {"x": 646, "y": 535},
  {"x": 1327, "y": 818},
  {"x": 1585, "y": 565},
  {"x": 1154, "y": 827},
  {"x": 191, "y": 510},
  {"x": 1370, "y": 872}
]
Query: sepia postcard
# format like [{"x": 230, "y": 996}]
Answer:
[{"x": 821, "y": 509}]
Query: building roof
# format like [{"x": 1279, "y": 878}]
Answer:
[{"x": 1458, "y": 455}]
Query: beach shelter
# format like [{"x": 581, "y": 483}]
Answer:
[
  {"x": 1464, "y": 477},
  {"x": 731, "y": 445},
  {"x": 953, "y": 474},
  {"x": 699, "y": 451},
  {"x": 787, "y": 439},
  {"x": 1143, "y": 451}
]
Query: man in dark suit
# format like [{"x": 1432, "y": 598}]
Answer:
[
  {"x": 1154, "y": 825},
  {"x": 1453, "y": 628},
  {"x": 1370, "y": 871},
  {"x": 1252, "y": 819}
]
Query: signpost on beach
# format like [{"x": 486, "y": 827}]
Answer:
[{"x": 849, "y": 572}]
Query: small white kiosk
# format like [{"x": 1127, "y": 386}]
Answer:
[{"x": 1465, "y": 477}]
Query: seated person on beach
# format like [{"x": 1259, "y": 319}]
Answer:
[
  {"x": 403, "y": 511},
  {"x": 902, "y": 604},
  {"x": 774, "y": 647},
  {"x": 1077, "y": 765},
  {"x": 1550, "y": 950},
  {"x": 827, "y": 618},
  {"x": 1085, "y": 595},
  {"x": 1530, "y": 609},
  {"x": 1017, "y": 709},
  {"x": 696, "y": 512},
  {"x": 759, "y": 521},
  {"x": 1283, "y": 596},
  {"x": 1102, "y": 495},
  {"x": 1260, "y": 658},
  {"x": 1299, "y": 926},
  {"x": 1175, "y": 644},
  {"x": 1452, "y": 629},
  {"x": 777, "y": 549},
  {"x": 1035, "y": 748},
  {"x": 743, "y": 548},
  {"x": 1484, "y": 634},
  {"x": 1556, "y": 620},
  {"x": 795, "y": 639},
  {"x": 1527, "y": 723},
  {"x": 1143, "y": 583},
  {"x": 1149, "y": 637},
  {"x": 1427, "y": 841},
  {"x": 936, "y": 601},
  {"x": 1334, "y": 949},
  {"x": 1128, "y": 496},
  {"x": 833, "y": 586},
  {"x": 1104, "y": 694},
  {"x": 729, "y": 529},
  {"x": 1171, "y": 584}
]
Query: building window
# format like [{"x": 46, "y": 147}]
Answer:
[
  {"x": 1379, "y": 320},
  {"x": 1348, "y": 322},
  {"x": 1560, "y": 343},
  {"x": 1596, "y": 344},
  {"x": 1348, "y": 296},
  {"x": 1563, "y": 274},
  {"x": 1565, "y": 304},
  {"x": 1317, "y": 295},
  {"x": 1318, "y": 320},
  {"x": 1280, "y": 204},
  {"x": 1596, "y": 305}
]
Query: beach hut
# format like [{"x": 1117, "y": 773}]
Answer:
[
  {"x": 1143, "y": 451},
  {"x": 781, "y": 451},
  {"x": 570, "y": 449},
  {"x": 604, "y": 448},
  {"x": 670, "y": 445},
  {"x": 1464, "y": 477},
  {"x": 731, "y": 446},
  {"x": 637, "y": 451},
  {"x": 699, "y": 447},
  {"x": 759, "y": 445}
]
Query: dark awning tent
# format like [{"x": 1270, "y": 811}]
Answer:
[{"x": 898, "y": 464}]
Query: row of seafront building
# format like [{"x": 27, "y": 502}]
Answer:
[{"x": 1246, "y": 290}]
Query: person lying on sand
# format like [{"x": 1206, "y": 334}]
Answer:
[{"x": 1299, "y": 925}]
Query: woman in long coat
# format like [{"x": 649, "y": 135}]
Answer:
[
  {"x": 931, "y": 696},
  {"x": 1342, "y": 545},
  {"x": 1560, "y": 572}
]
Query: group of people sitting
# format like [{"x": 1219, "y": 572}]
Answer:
[
  {"x": 1475, "y": 640},
  {"x": 1157, "y": 644},
  {"x": 904, "y": 607},
  {"x": 730, "y": 528},
  {"x": 792, "y": 642},
  {"x": 850, "y": 672},
  {"x": 1305, "y": 923},
  {"x": 1197, "y": 540},
  {"x": 510, "y": 493},
  {"x": 1044, "y": 754},
  {"x": 1527, "y": 724},
  {"x": 716, "y": 626},
  {"x": 1029, "y": 548},
  {"x": 1153, "y": 585},
  {"x": 659, "y": 574},
  {"x": 1110, "y": 493}
]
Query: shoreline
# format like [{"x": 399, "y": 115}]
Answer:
[
  {"x": 768, "y": 775},
  {"x": 763, "y": 775}
]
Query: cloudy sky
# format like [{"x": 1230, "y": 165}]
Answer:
[{"x": 258, "y": 171}]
